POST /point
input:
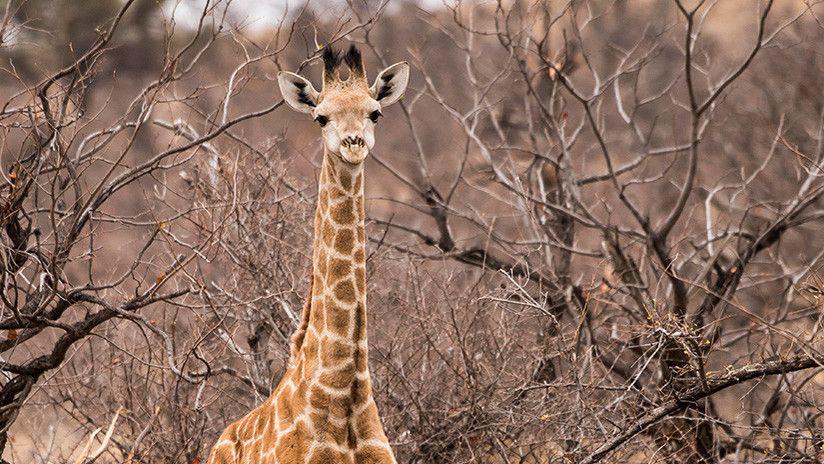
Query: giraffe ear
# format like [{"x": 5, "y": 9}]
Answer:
[
  {"x": 391, "y": 83},
  {"x": 298, "y": 92}
]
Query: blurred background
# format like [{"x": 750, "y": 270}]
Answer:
[{"x": 593, "y": 225}]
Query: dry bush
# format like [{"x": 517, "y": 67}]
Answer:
[{"x": 592, "y": 227}]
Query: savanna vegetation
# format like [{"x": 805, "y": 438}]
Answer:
[{"x": 594, "y": 226}]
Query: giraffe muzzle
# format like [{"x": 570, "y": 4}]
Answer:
[{"x": 353, "y": 149}]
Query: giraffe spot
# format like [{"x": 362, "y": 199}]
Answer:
[
  {"x": 270, "y": 434},
  {"x": 368, "y": 424},
  {"x": 358, "y": 182},
  {"x": 345, "y": 241},
  {"x": 339, "y": 268},
  {"x": 360, "y": 279},
  {"x": 345, "y": 291},
  {"x": 337, "y": 319},
  {"x": 361, "y": 363},
  {"x": 332, "y": 168},
  {"x": 320, "y": 259},
  {"x": 293, "y": 446},
  {"x": 362, "y": 393},
  {"x": 299, "y": 398},
  {"x": 326, "y": 456},
  {"x": 343, "y": 212},
  {"x": 336, "y": 407},
  {"x": 360, "y": 334},
  {"x": 317, "y": 284},
  {"x": 361, "y": 235},
  {"x": 328, "y": 231},
  {"x": 359, "y": 207},
  {"x": 262, "y": 422},
  {"x": 296, "y": 341},
  {"x": 319, "y": 399},
  {"x": 318, "y": 317},
  {"x": 371, "y": 454},
  {"x": 310, "y": 345},
  {"x": 360, "y": 256},
  {"x": 338, "y": 378},
  {"x": 333, "y": 353},
  {"x": 224, "y": 454},
  {"x": 330, "y": 431},
  {"x": 345, "y": 180},
  {"x": 285, "y": 413},
  {"x": 310, "y": 366}
]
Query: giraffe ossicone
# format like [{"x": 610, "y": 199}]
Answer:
[{"x": 323, "y": 410}]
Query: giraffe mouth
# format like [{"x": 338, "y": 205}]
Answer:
[{"x": 353, "y": 154}]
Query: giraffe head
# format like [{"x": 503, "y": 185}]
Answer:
[{"x": 346, "y": 110}]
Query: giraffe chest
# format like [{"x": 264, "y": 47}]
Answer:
[{"x": 320, "y": 423}]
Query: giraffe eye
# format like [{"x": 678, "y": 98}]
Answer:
[
  {"x": 322, "y": 120},
  {"x": 375, "y": 115}
]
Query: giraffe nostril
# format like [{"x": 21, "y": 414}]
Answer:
[{"x": 352, "y": 141}]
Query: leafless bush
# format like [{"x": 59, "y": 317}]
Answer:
[{"x": 592, "y": 227}]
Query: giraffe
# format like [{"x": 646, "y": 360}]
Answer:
[{"x": 323, "y": 410}]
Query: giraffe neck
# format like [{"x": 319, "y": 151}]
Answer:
[
  {"x": 323, "y": 411},
  {"x": 337, "y": 315}
]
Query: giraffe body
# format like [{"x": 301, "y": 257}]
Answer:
[{"x": 323, "y": 410}]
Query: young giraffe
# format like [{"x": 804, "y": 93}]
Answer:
[{"x": 323, "y": 411}]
